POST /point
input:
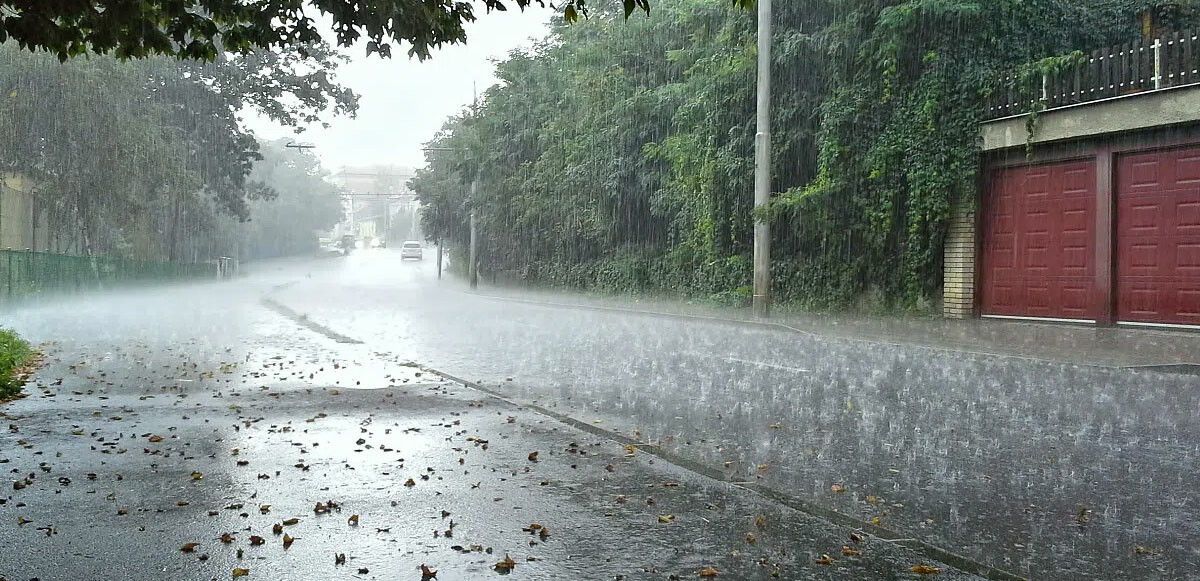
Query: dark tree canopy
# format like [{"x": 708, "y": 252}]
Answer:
[{"x": 202, "y": 28}]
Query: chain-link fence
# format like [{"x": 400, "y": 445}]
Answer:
[{"x": 24, "y": 272}]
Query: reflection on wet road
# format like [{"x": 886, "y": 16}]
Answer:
[
  {"x": 1043, "y": 469},
  {"x": 189, "y": 432}
]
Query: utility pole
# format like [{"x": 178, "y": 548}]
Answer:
[
  {"x": 473, "y": 267},
  {"x": 762, "y": 166},
  {"x": 439, "y": 260}
]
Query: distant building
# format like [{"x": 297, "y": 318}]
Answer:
[{"x": 372, "y": 197}]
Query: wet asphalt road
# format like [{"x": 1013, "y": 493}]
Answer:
[
  {"x": 175, "y": 416},
  {"x": 1046, "y": 470}
]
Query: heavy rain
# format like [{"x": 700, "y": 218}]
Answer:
[{"x": 616, "y": 290}]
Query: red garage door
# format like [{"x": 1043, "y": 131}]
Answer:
[
  {"x": 1158, "y": 237},
  {"x": 1039, "y": 242}
]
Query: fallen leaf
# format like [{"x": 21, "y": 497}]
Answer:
[
  {"x": 353, "y": 520},
  {"x": 339, "y": 558},
  {"x": 708, "y": 572},
  {"x": 156, "y": 439},
  {"x": 22, "y": 520},
  {"x": 751, "y": 538},
  {"x": 761, "y": 521},
  {"x": 226, "y": 538},
  {"x": 925, "y": 570},
  {"x": 277, "y": 529},
  {"x": 291, "y": 521},
  {"x": 189, "y": 548},
  {"x": 427, "y": 573},
  {"x": 837, "y": 488},
  {"x": 824, "y": 560},
  {"x": 256, "y": 540},
  {"x": 666, "y": 518},
  {"x": 1142, "y": 550},
  {"x": 240, "y": 573},
  {"x": 197, "y": 475},
  {"x": 507, "y": 565},
  {"x": 288, "y": 540},
  {"x": 856, "y": 537},
  {"x": 411, "y": 482},
  {"x": 264, "y": 509},
  {"x": 848, "y": 552}
]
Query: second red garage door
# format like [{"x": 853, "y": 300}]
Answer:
[
  {"x": 1158, "y": 237},
  {"x": 1039, "y": 242}
]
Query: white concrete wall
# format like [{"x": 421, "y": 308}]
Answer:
[{"x": 1163, "y": 108}]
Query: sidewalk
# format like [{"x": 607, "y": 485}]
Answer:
[{"x": 1175, "y": 350}]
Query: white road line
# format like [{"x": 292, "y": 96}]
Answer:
[{"x": 771, "y": 365}]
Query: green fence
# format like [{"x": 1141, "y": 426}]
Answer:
[{"x": 24, "y": 272}]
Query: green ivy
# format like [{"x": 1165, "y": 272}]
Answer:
[{"x": 617, "y": 155}]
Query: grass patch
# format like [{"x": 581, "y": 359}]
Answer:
[{"x": 15, "y": 355}]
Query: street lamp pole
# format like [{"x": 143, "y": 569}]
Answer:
[
  {"x": 473, "y": 266},
  {"x": 762, "y": 166}
]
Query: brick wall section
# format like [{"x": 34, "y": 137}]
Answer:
[{"x": 958, "y": 294}]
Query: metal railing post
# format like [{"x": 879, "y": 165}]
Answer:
[{"x": 1157, "y": 63}]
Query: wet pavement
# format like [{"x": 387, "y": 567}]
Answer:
[
  {"x": 1041, "y": 466},
  {"x": 167, "y": 419}
]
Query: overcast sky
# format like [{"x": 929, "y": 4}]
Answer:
[{"x": 404, "y": 102}]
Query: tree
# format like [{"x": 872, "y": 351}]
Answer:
[
  {"x": 142, "y": 158},
  {"x": 304, "y": 203},
  {"x": 618, "y": 155},
  {"x": 203, "y": 29}
]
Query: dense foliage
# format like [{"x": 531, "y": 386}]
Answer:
[
  {"x": 15, "y": 353},
  {"x": 150, "y": 159},
  {"x": 618, "y": 155},
  {"x": 203, "y": 29},
  {"x": 305, "y": 204}
]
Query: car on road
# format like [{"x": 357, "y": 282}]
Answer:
[{"x": 411, "y": 249}]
